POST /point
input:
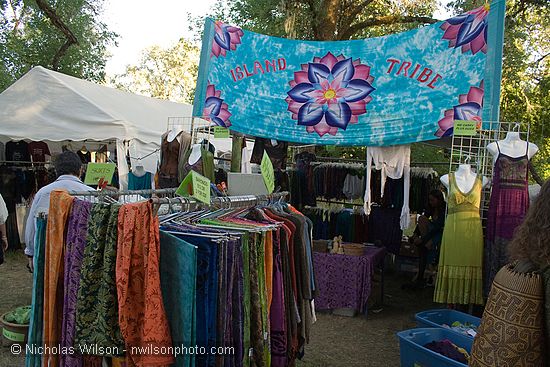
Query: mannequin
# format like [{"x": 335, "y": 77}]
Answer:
[
  {"x": 465, "y": 179},
  {"x": 172, "y": 134},
  {"x": 138, "y": 170},
  {"x": 509, "y": 199},
  {"x": 195, "y": 154},
  {"x": 512, "y": 146}
]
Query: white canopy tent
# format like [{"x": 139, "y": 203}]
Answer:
[{"x": 47, "y": 105}]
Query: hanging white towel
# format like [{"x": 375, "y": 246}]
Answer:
[{"x": 394, "y": 162}]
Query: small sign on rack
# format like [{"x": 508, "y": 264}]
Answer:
[
  {"x": 99, "y": 172},
  {"x": 221, "y": 132},
  {"x": 268, "y": 173},
  {"x": 465, "y": 128},
  {"x": 196, "y": 186}
]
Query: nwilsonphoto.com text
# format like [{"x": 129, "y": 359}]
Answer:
[{"x": 115, "y": 351}]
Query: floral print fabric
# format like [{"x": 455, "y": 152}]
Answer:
[
  {"x": 379, "y": 91},
  {"x": 141, "y": 312},
  {"x": 60, "y": 207},
  {"x": 97, "y": 307}
]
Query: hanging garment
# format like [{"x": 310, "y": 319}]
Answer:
[
  {"x": 204, "y": 165},
  {"x": 60, "y": 207},
  {"x": 140, "y": 182},
  {"x": 97, "y": 320},
  {"x": 230, "y": 303},
  {"x": 459, "y": 279},
  {"x": 18, "y": 151},
  {"x": 35, "y": 337},
  {"x": 353, "y": 186},
  {"x": 277, "y": 311},
  {"x": 384, "y": 227},
  {"x": 141, "y": 313},
  {"x": 511, "y": 331},
  {"x": 256, "y": 324},
  {"x": 185, "y": 143},
  {"x": 394, "y": 162},
  {"x": 85, "y": 157},
  {"x": 38, "y": 151},
  {"x": 178, "y": 270},
  {"x": 276, "y": 151},
  {"x": 507, "y": 208},
  {"x": 75, "y": 243},
  {"x": 170, "y": 152}
]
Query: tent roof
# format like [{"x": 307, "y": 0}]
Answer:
[{"x": 47, "y": 105}]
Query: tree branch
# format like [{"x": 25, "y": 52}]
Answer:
[
  {"x": 539, "y": 60},
  {"x": 390, "y": 19},
  {"x": 59, "y": 24},
  {"x": 358, "y": 8}
]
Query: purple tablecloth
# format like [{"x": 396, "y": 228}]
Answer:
[{"x": 344, "y": 281}]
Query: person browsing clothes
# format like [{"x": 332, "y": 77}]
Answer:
[
  {"x": 68, "y": 168},
  {"x": 428, "y": 233}
]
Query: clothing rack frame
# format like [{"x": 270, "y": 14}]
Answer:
[
  {"x": 224, "y": 202},
  {"x": 186, "y": 203},
  {"x": 98, "y": 193}
]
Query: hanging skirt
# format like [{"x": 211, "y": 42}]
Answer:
[
  {"x": 178, "y": 277},
  {"x": 96, "y": 307},
  {"x": 35, "y": 328}
]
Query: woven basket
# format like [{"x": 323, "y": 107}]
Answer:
[
  {"x": 354, "y": 249},
  {"x": 511, "y": 331}
]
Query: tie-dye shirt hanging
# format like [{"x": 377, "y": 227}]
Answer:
[{"x": 397, "y": 89}]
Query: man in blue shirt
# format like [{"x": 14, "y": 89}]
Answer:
[{"x": 68, "y": 168}]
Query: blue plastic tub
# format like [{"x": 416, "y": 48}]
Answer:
[
  {"x": 437, "y": 318},
  {"x": 413, "y": 353}
]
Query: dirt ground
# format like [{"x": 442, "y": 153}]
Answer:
[{"x": 335, "y": 341}]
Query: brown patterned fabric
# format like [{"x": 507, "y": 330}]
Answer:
[{"x": 511, "y": 331}]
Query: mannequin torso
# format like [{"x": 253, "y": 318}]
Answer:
[
  {"x": 195, "y": 154},
  {"x": 465, "y": 179},
  {"x": 512, "y": 146},
  {"x": 139, "y": 171}
]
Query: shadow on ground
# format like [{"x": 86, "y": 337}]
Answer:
[{"x": 335, "y": 341}]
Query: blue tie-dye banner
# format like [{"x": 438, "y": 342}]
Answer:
[{"x": 397, "y": 89}]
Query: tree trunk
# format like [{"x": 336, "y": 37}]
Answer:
[{"x": 327, "y": 20}]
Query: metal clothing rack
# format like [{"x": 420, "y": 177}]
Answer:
[
  {"x": 224, "y": 202},
  {"x": 98, "y": 193},
  {"x": 25, "y": 162},
  {"x": 186, "y": 203}
]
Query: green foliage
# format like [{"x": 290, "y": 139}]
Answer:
[
  {"x": 322, "y": 19},
  {"x": 28, "y": 38},
  {"x": 169, "y": 73}
]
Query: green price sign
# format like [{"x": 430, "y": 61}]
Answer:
[
  {"x": 98, "y": 171},
  {"x": 268, "y": 173},
  {"x": 196, "y": 186},
  {"x": 465, "y": 128},
  {"x": 221, "y": 132}
]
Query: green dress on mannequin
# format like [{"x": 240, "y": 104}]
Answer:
[{"x": 459, "y": 279}]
